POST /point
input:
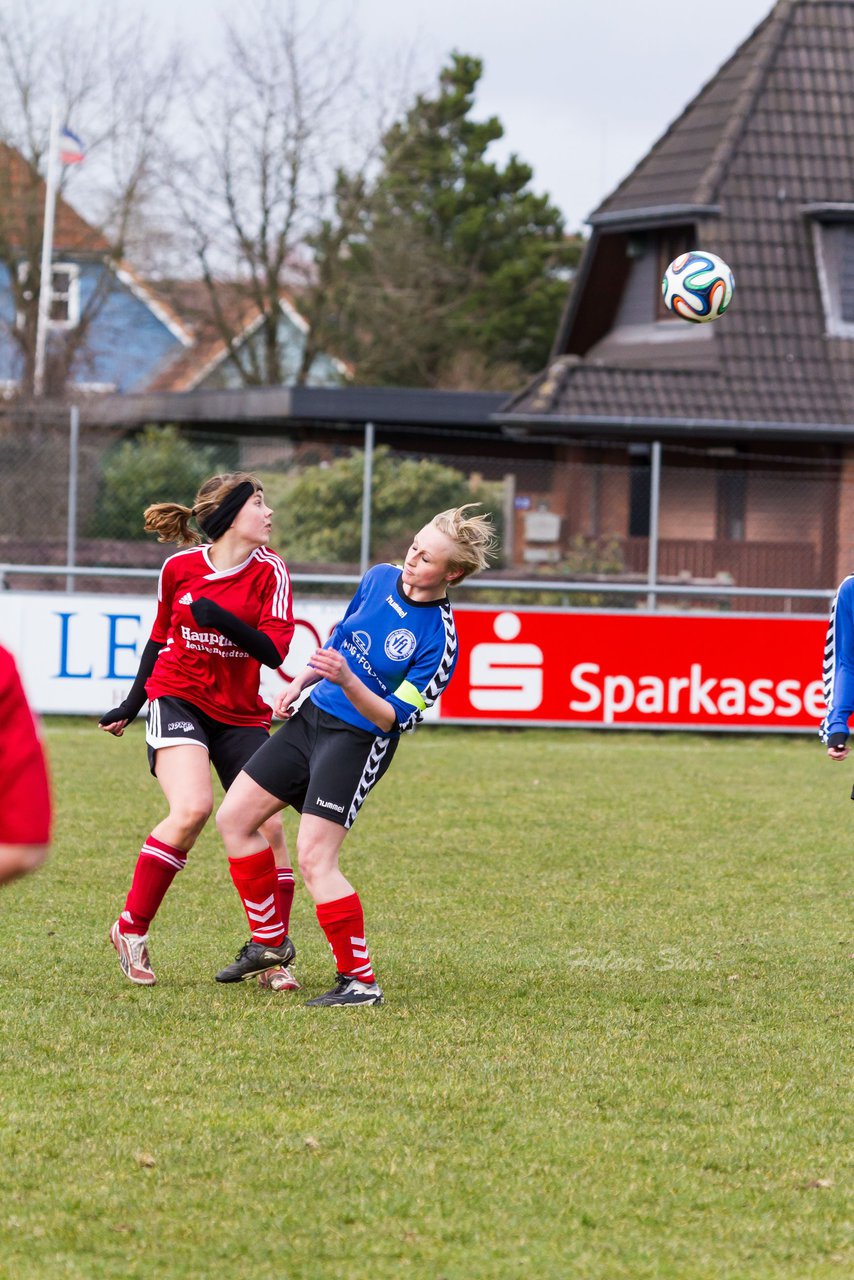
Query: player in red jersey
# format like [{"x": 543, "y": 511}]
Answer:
[
  {"x": 25, "y": 804},
  {"x": 224, "y": 610}
]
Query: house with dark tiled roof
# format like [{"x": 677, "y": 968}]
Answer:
[
  {"x": 759, "y": 169},
  {"x": 108, "y": 329}
]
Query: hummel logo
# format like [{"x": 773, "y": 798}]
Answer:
[
  {"x": 327, "y": 804},
  {"x": 186, "y": 598}
]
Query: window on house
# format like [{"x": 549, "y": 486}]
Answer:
[
  {"x": 63, "y": 297},
  {"x": 834, "y": 248},
  {"x": 732, "y": 504},
  {"x": 846, "y": 276},
  {"x": 640, "y": 490},
  {"x": 64, "y": 305}
]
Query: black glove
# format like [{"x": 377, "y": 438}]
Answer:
[
  {"x": 256, "y": 643},
  {"x": 133, "y": 703},
  {"x": 837, "y": 739}
]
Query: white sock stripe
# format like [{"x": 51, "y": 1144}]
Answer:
[
  {"x": 361, "y": 953},
  {"x": 260, "y": 916},
  {"x": 359, "y": 970},
  {"x": 162, "y": 856},
  {"x": 285, "y": 876},
  {"x": 260, "y": 906},
  {"x": 266, "y": 934},
  {"x": 358, "y": 942}
]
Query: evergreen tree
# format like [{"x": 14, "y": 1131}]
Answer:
[{"x": 455, "y": 264}]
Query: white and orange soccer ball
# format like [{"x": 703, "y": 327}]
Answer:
[{"x": 697, "y": 286}]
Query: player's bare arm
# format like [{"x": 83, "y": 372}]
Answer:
[{"x": 283, "y": 705}]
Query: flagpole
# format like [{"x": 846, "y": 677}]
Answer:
[{"x": 46, "y": 277}]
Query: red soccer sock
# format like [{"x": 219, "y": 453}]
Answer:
[
  {"x": 343, "y": 922},
  {"x": 255, "y": 880},
  {"x": 156, "y": 867},
  {"x": 285, "y": 886}
]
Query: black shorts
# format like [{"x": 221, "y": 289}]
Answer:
[
  {"x": 321, "y": 765},
  {"x": 172, "y": 722}
]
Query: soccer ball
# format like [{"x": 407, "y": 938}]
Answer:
[{"x": 697, "y": 286}]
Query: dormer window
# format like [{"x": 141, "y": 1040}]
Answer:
[
  {"x": 833, "y": 238},
  {"x": 616, "y": 310},
  {"x": 649, "y": 251}
]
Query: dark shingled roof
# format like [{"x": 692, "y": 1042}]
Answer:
[{"x": 754, "y": 163}]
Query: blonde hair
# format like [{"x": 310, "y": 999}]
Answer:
[
  {"x": 474, "y": 537},
  {"x": 171, "y": 521}
]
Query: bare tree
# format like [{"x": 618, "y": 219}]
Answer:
[
  {"x": 273, "y": 124},
  {"x": 115, "y": 87}
]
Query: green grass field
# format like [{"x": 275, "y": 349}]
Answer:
[{"x": 616, "y": 1043}]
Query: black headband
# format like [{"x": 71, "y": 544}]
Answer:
[{"x": 215, "y": 525}]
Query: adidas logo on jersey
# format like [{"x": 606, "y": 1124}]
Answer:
[{"x": 186, "y": 598}]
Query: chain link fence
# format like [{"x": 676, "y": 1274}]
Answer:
[{"x": 603, "y": 525}]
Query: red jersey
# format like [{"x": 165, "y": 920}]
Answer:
[
  {"x": 24, "y": 788},
  {"x": 203, "y": 666}
]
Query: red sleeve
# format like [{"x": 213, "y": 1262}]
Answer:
[
  {"x": 25, "y": 805},
  {"x": 277, "y": 613}
]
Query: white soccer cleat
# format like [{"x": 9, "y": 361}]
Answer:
[
  {"x": 278, "y": 979},
  {"x": 133, "y": 956}
]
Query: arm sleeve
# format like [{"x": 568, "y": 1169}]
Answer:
[
  {"x": 426, "y": 679},
  {"x": 257, "y": 643},
  {"x": 838, "y": 670},
  {"x": 277, "y": 612},
  {"x": 25, "y": 802},
  {"x": 133, "y": 703}
]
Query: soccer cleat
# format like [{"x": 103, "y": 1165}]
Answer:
[
  {"x": 256, "y": 957},
  {"x": 133, "y": 956},
  {"x": 278, "y": 979},
  {"x": 349, "y": 991}
]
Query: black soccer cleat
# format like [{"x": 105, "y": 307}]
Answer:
[
  {"x": 256, "y": 957},
  {"x": 349, "y": 991}
]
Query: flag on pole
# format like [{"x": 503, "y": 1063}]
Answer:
[{"x": 71, "y": 148}]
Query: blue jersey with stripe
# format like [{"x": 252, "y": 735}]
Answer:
[
  {"x": 838, "y": 668},
  {"x": 404, "y": 650}
]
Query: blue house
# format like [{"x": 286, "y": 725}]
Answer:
[{"x": 109, "y": 330}]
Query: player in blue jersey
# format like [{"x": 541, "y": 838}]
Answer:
[
  {"x": 388, "y": 659},
  {"x": 838, "y": 672}
]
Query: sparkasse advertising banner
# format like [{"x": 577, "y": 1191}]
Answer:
[
  {"x": 631, "y": 670},
  {"x": 78, "y": 654}
]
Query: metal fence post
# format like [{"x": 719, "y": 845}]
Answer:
[
  {"x": 367, "y": 488},
  {"x": 73, "y": 469},
  {"x": 654, "y": 510}
]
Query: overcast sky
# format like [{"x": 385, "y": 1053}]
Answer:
[{"x": 582, "y": 87}]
